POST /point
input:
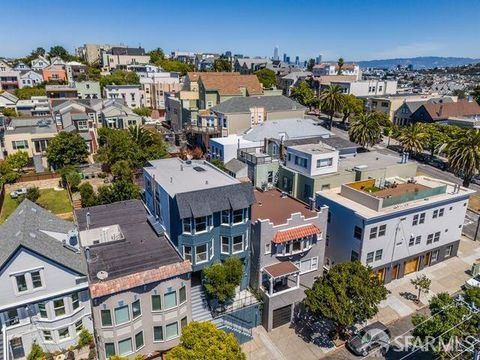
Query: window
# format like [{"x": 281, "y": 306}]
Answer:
[
  {"x": 183, "y": 322},
  {"x": 122, "y": 315},
  {"x": 59, "y": 307},
  {"x": 125, "y": 347},
  {"x": 418, "y": 239},
  {"x": 63, "y": 333},
  {"x": 201, "y": 254},
  {"x": 373, "y": 232},
  {"x": 47, "y": 335},
  {"x": 136, "y": 309},
  {"x": 382, "y": 230},
  {"x": 436, "y": 237},
  {"x": 20, "y": 144},
  {"x": 157, "y": 333},
  {"x": 357, "y": 232},
  {"x": 170, "y": 299},
  {"x": 411, "y": 242},
  {"x": 268, "y": 248},
  {"x": 448, "y": 250},
  {"x": 42, "y": 311},
  {"x": 422, "y": 218},
  {"x": 270, "y": 177},
  {"x": 109, "y": 349},
  {"x": 435, "y": 214},
  {"x": 434, "y": 256},
  {"x": 370, "y": 257},
  {"x": 225, "y": 245},
  {"x": 182, "y": 294},
  {"x": 237, "y": 216},
  {"x": 226, "y": 217},
  {"x": 302, "y": 162},
  {"x": 354, "y": 256},
  {"x": 106, "y": 316},
  {"x": 200, "y": 224},
  {"x": 378, "y": 255},
  {"x": 171, "y": 330},
  {"x": 12, "y": 317},
  {"x": 324, "y": 162},
  {"x": 187, "y": 225},
  {"x": 441, "y": 212},
  {"x": 21, "y": 283},
  {"x": 36, "y": 279},
  {"x": 78, "y": 326},
  {"x": 429, "y": 239},
  {"x": 415, "y": 220},
  {"x": 156, "y": 303},
  {"x": 210, "y": 249},
  {"x": 187, "y": 253},
  {"x": 75, "y": 301},
  {"x": 139, "y": 340},
  {"x": 237, "y": 245}
]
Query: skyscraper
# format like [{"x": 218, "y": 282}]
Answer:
[
  {"x": 319, "y": 59},
  {"x": 275, "y": 53},
  {"x": 297, "y": 60},
  {"x": 284, "y": 57}
]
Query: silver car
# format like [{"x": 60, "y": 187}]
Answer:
[
  {"x": 371, "y": 337},
  {"x": 17, "y": 192}
]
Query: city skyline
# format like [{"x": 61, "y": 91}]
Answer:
[{"x": 245, "y": 32}]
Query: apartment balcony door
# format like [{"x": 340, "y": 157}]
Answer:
[{"x": 395, "y": 272}]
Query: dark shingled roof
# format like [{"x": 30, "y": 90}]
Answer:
[
  {"x": 270, "y": 103},
  {"x": 28, "y": 227},
  {"x": 142, "y": 248},
  {"x": 235, "y": 165},
  {"x": 127, "y": 51},
  {"x": 205, "y": 202}
]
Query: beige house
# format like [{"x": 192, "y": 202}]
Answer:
[
  {"x": 119, "y": 57},
  {"x": 29, "y": 134}
]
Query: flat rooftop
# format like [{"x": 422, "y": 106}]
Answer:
[
  {"x": 178, "y": 176},
  {"x": 271, "y": 205},
  {"x": 370, "y": 199},
  {"x": 372, "y": 159},
  {"x": 140, "y": 250},
  {"x": 313, "y": 149}
]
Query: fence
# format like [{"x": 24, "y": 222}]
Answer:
[{"x": 36, "y": 177}]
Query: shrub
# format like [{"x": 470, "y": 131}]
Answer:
[
  {"x": 36, "y": 353},
  {"x": 84, "y": 338},
  {"x": 33, "y": 194},
  {"x": 221, "y": 279},
  {"x": 87, "y": 195}
]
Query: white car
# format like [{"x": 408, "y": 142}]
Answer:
[
  {"x": 16, "y": 193},
  {"x": 473, "y": 282}
]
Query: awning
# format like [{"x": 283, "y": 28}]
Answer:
[
  {"x": 295, "y": 233},
  {"x": 281, "y": 269}
]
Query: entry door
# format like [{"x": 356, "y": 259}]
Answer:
[
  {"x": 17, "y": 348},
  {"x": 381, "y": 274},
  {"x": 426, "y": 260},
  {"x": 411, "y": 266},
  {"x": 395, "y": 272}
]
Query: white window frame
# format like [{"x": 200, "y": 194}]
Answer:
[
  {"x": 268, "y": 248},
  {"x": 243, "y": 244},
  {"x": 222, "y": 251},
  {"x": 185, "y": 254},
  {"x": 206, "y": 254},
  {"x": 211, "y": 249}
]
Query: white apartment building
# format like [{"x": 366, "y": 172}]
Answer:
[
  {"x": 312, "y": 159},
  {"x": 332, "y": 69},
  {"x": 365, "y": 88},
  {"x": 132, "y": 95},
  {"x": 396, "y": 226},
  {"x": 156, "y": 85}
]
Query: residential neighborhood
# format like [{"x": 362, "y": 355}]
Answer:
[{"x": 216, "y": 189}]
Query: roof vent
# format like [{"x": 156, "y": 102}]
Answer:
[
  {"x": 102, "y": 275},
  {"x": 198, "y": 168}
]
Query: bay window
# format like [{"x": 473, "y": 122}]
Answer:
[
  {"x": 122, "y": 315},
  {"x": 237, "y": 216},
  {"x": 225, "y": 245},
  {"x": 187, "y": 225},
  {"x": 106, "y": 317},
  {"x": 237, "y": 245},
  {"x": 201, "y": 253},
  {"x": 59, "y": 307},
  {"x": 136, "y": 309},
  {"x": 170, "y": 299},
  {"x": 226, "y": 217},
  {"x": 187, "y": 253}
]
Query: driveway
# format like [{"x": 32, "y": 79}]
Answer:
[{"x": 287, "y": 342}]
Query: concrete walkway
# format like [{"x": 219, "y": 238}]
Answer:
[{"x": 448, "y": 276}]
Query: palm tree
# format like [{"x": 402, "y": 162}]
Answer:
[
  {"x": 140, "y": 135},
  {"x": 332, "y": 100},
  {"x": 340, "y": 64},
  {"x": 412, "y": 138},
  {"x": 365, "y": 130},
  {"x": 464, "y": 155}
]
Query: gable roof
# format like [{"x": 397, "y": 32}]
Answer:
[
  {"x": 270, "y": 103},
  {"x": 32, "y": 227},
  {"x": 235, "y": 165},
  {"x": 445, "y": 110},
  {"x": 207, "y": 201},
  {"x": 228, "y": 83}
]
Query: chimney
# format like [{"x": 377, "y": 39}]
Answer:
[
  {"x": 265, "y": 145},
  {"x": 89, "y": 219},
  {"x": 87, "y": 254},
  {"x": 171, "y": 179}
]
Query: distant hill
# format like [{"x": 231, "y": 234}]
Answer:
[{"x": 423, "y": 62}]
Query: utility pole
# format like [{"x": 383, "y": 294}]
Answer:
[{"x": 476, "y": 230}]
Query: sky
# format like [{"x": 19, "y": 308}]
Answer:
[{"x": 352, "y": 29}]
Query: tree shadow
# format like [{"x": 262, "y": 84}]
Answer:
[{"x": 311, "y": 329}]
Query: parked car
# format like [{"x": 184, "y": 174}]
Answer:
[
  {"x": 439, "y": 164},
  {"x": 371, "y": 337},
  {"x": 17, "y": 192},
  {"x": 473, "y": 282},
  {"x": 476, "y": 180}
]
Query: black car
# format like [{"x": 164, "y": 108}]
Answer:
[{"x": 371, "y": 337}]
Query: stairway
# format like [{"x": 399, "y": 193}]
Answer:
[
  {"x": 77, "y": 204},
  {"x": 242, "y": 333},
  {"x": 200, "y": 310}
]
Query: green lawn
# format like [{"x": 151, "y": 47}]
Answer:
[{"x": 55, "y": 201}]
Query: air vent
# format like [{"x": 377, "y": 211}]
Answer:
[
  {"x": 102, "y": 275},
  {"x": 198, "y": 168}
]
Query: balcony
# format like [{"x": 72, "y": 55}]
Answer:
[
  {"x": 254, "y": 156},
  {"x": 280, "y": 278},
  {"x": 211, "y": 130}
]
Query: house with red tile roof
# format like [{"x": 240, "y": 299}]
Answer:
[{"x": 288, "y": 246}]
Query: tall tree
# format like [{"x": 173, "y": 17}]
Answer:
[
  {"x": 303, "y": 94},
  {"x": 120, "y": 77},
  {"x": 464, "y": 155},
  {"x": 202, "y": 340},
  {"x": 221, "y": 279},
  {"x": 66, "y": 148},
  {"x": 156, "y": 55},
  {"x": 267, "y": 77},
  {"x": 476, "y": 94},
  {"x": 59, "y": 51},
  {"x": 433, "y": 137},
  {"x": 349, "y": 293},
  {"x": 351, "y": 105},
  {"x": 340, "y": 64},
  {"x": 331, "y": 101},
  {"x": 411, "y": 138},
  {"x": 311, "y": 64},
  {"x": 141, "y": 136},
  {"x": 365, "y": 130},
  {"x": 222, "y": 64},
  {"x": 17, "y": 161}
]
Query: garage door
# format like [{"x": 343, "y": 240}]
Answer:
[
  {"x": 282, "y": 316},
  {"x": 411, "y": 266}
]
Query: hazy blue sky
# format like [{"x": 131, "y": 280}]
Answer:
[{"x": 354, "y": 29}]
